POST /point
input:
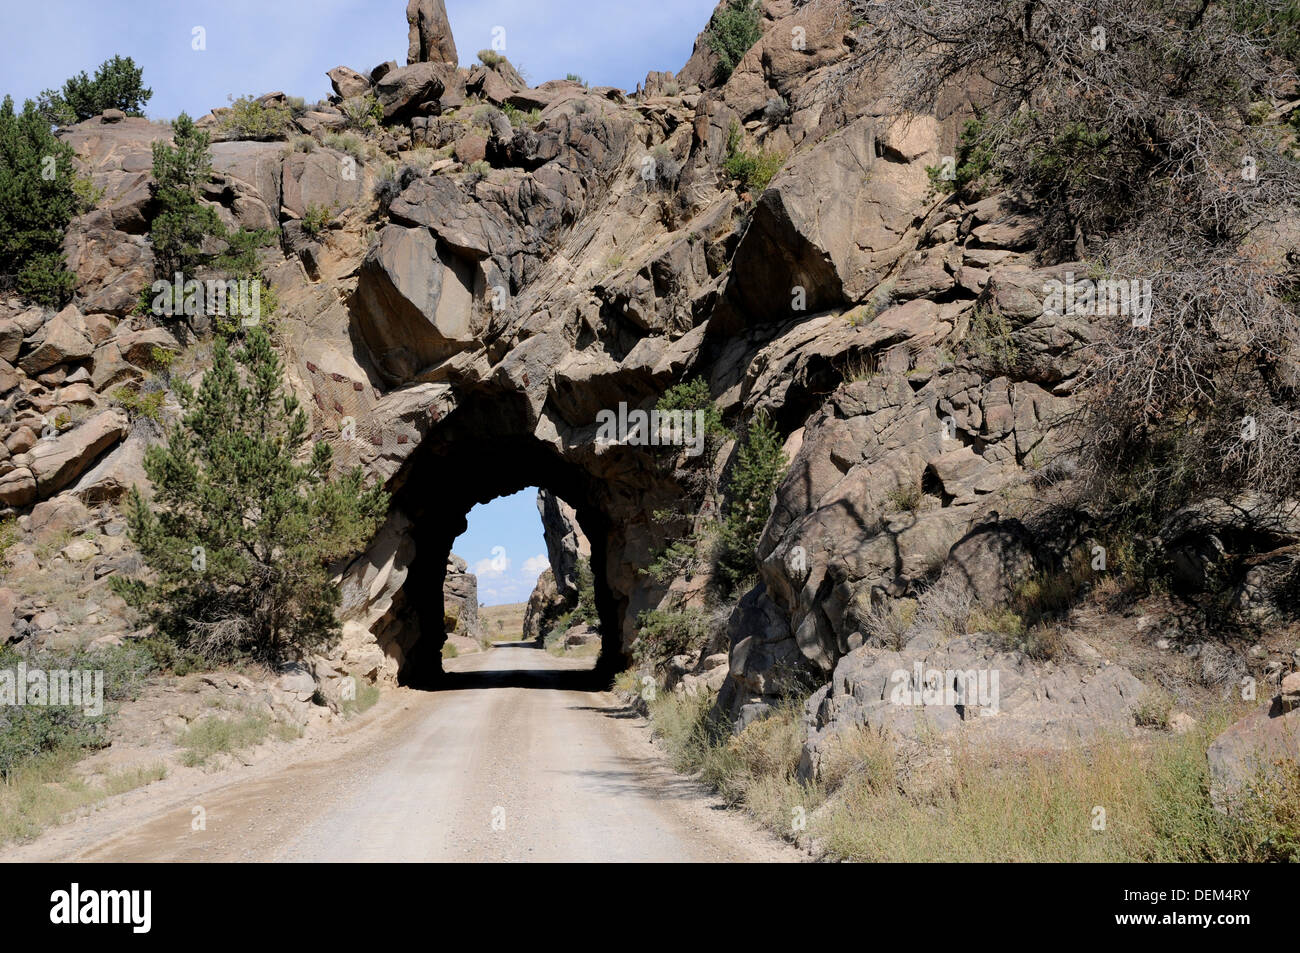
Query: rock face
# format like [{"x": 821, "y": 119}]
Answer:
[
  {"x": 476, "y": 337},
  {"x": 460, "y": 598},
  {"x": 565, "y": 543},
  {"x": 545, "y": 605},
  {"x": 413, "y": 88},
  {"x": 430, "y": 33},
  {"x": 932, "y": 689},
  {"x": 414, "y": 303}
]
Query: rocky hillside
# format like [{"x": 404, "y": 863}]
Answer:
[{"x": 471, "y": 270}]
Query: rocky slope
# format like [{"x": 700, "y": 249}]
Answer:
[{"x": 459, "y": 334}]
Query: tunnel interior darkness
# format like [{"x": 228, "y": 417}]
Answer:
[{"x": 443, "y": 482}]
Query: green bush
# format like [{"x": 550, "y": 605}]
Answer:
[
  {"x": 362, "y": 113},
  {"x": 28, "y": 731},
  {"x": 241, "y": 533},
  {"x": 663, "y": 633},
  {"x": 490, "y": 58},
  {"x": 973, "y": 167},
  {"x": 317, "y": 219},
  {"x": 346, "y": 142},
  {"x": 585, "y": 610},
  {"x": 250, "y": 119},
  {"x": 241, "y": 255},
  {"x": 38, "y": 198},
  {"x": 990, "y": 342},
  {"x": 692, "y": 396},
  {"x": 518, "y": 118},
  {"x": 731, "y": 32},
  {"x": 141, "y": 403},
  {"x": 46, "y": 280},
  {"x": 684, "y": 554},
  {"x": 753, "y": 169},
  {"x": 117, "y": 84}
]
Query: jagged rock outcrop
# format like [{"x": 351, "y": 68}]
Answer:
[
  {"x": 430, "y": 33},
  {"x": 494, "y": 316},
  {"x": 460, "y": 598},
  {"x": 565, "y": 542},
  {"x": 545, "y": 606}
]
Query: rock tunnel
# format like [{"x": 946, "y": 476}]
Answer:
[{"x": 483, "y": 451}]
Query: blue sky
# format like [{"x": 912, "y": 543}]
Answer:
[
  {"x": 256, "y": 46},
  {"x": 504, "y": 547}
]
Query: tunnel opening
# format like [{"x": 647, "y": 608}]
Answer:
[
  {"x": 444, "y": 481},
  {"x": 495, "y": 569}
]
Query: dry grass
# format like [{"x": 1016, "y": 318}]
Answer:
[
  {"x": 503, "y": 623},
  {"x": 45, "y": 788},
  {"x": 216, "y": 735},
  {"x": 367, "y": 695},
  {"x": 754, "y": 769},
  {"x": 1118, "y": 800}
]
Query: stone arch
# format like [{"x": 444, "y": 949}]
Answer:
[{"x": 472, "y": 463}]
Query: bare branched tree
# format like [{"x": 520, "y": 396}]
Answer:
[{"x": 1152, "y": 137}]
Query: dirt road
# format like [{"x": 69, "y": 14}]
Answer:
[{"x": 516, "y": 760}]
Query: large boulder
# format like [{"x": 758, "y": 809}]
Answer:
[
  {"x": 991, "y": 561},
  {"x": 430, "y": 33},
  {"x": 834, "y": 221},
  {"x": 112, "y": 266},
  {"x": 321, "y": 179},
  {"x": 545, "y": 606},
  {"x": 939, "y": 689},
  {"x": 254, "y": 173},
  {"x": 11, "y": 340},
  {"x": 17, "y": 487},
  {"x": 460, "y": 598},
  {"x": 63, "y": 341},
  {"x": 376, "y": 634},
  {"x": 58, "y": 461},
  {"x": 414, "y": 302},
  {"x": 404, "y": 90},
  {"x": 1246, "y": 751},
  {"x": 348, "y": 82}
]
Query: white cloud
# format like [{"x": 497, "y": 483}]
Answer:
[
  {"x": 534, "y": 566},
  {"x": 494, "y": 567}
]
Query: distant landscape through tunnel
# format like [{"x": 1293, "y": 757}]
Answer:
[{"x": 437, "y": 495}]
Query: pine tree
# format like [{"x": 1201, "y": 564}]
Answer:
[
  {"x": 183, "y": 222},
  {"x": 117, "y": 84},
  {"x": 37, "y": 200},
  {"x": 758, "y": 470},
  {"x": 241, "y": 530}
]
